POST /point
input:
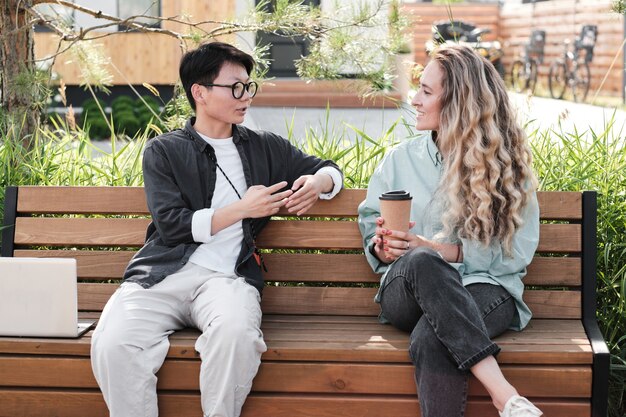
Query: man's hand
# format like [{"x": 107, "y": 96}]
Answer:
[
  {"x": 260, "y": 201},
  {"x": 307, "y": 189}
]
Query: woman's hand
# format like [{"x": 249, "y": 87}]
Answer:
[
  {"x": 389, "y": 245},
  {"x": 378, "y": 241}
]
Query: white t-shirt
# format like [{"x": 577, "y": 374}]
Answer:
[{"x": 219, "y": 252}]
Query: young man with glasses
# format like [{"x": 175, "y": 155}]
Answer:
[{"x": 211, "y": 188}]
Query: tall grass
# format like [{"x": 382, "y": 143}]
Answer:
[
  {"x": 356, "y": 152},
  {"x": 596, "y": 160},
  {"x": 63, "y": 156}
]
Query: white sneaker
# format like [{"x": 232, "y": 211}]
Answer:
[{"x": 518, "y": 406}]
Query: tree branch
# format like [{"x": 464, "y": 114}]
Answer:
[{"x": 130, "y": 21}]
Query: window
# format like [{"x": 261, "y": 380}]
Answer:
[
  {"x": 126, "y": 9},
  {"x": 63, "y": 16},
  {"x": 68, "y": 17}
]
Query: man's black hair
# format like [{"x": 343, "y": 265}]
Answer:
[{"x": 202, "y": 65}]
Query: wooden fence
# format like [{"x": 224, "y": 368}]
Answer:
[
  {"x": 512, "y": 24},
  {"x": 563, "y": 19}
]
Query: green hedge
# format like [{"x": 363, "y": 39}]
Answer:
[{"x": 130, "y": 116}]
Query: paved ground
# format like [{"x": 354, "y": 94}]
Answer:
[
  {"x": 546, "y": 113},
  {"x": 373, "y": 122},
  {"x": 540, "y": 112}
]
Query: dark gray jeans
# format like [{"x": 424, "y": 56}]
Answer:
[{"x": 451, "y": 326}]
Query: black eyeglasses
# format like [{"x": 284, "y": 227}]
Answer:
[{"x": 238, "y": 88}]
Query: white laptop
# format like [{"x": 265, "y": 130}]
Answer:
[{"x": 38, "y": 298}]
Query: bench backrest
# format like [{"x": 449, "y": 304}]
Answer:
[{"x": 315, "y": 265}]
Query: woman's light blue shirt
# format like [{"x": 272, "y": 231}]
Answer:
[{"x": 416, "y": 166}]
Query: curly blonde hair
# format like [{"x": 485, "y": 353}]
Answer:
[{"x": 487, "y": 174}]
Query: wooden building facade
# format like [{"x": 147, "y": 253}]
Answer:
[{"x": 139, "y": 58}]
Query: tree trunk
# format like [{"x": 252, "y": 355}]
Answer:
[{"x": 16, "y": 62}]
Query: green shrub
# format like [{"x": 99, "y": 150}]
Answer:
[
  {"x": 90, "y": 106},
  {"x": 92, "y": 115},
  {"x": 126, "y": 122},
  {"x": 122, "y": 108},
  {"x": 145, "y": 115},
  {"x": 148, "y": 101},
  {"x": 97, "y": 128},
  {"x": 91, "y": 103},
  {"x": 133, "y": 115},
  {"x": 122, "y": 100}
]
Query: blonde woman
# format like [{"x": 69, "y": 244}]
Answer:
[{"x": 454, "y": 281}]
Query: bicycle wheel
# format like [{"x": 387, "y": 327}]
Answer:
[
  {"x": 557, "y": 79},
  {"x": 532, "y": 80},
  {"x": 581, "y": 80},
  {"x": 519, "y": 78}
]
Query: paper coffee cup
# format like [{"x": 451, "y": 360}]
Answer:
[{"x": 395, "y": 209}]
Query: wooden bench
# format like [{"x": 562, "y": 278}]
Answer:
[{"x": 327, "y": 354}]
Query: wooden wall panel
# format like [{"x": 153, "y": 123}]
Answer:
[
  {"x": 563, "y": 19},
  {"x": 139, "y": 57}
]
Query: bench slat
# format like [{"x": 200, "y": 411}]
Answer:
[
  {"x": 92, "y": 264},
  {"x": 74, "y": 403},
  {"x": 560, "y": 205},
  {"x": 182, "y": 347},
  {"x": 558, "y": 238},
  {"x": 131, "y": 200},
  {"x": 349, "y": 339},
  {"x": 299, "y": 234},
  {"x": 332, "y": 300},
  {"x": 335, "y": 268},
  {"x": 351, "y": 378},
  {"x": 337, "y": 351},
  {"x": 80, "y": 231},
  {"x": 82, "y": 200},
  {"x": 314, "y": 300},
  {"x": 554, "y": 271}
]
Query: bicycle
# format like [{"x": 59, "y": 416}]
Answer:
[
  {"x": 459, "y": 31},
  {"x": 572, "y": 69},
  {"x": 524, "y": 71}
]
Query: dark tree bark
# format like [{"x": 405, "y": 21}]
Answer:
[{"x": 16, "y": 60}]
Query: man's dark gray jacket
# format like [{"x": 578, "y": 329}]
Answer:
[{"x": 179, "y": 178}]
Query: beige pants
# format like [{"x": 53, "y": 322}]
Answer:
[{"x": 130, "y": 342}]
